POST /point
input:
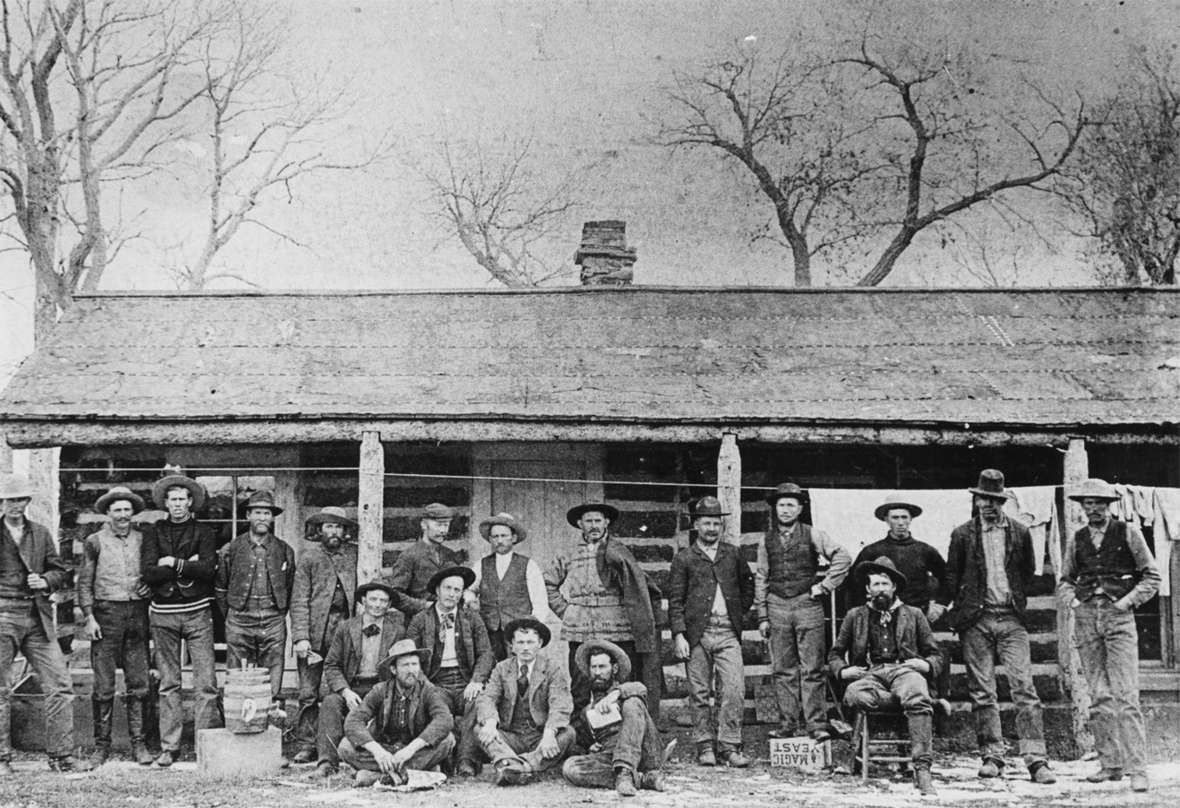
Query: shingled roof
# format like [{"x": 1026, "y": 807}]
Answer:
[{"x": 1044, "y": 358}]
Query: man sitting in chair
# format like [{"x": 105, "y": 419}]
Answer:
[{"x": 887, "y": 655}]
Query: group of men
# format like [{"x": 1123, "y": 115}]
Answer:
[{"x": 409, "y": 673}]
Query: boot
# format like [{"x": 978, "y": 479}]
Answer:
[
  {"x": 705, "y": 754},
  {"x": 139, "y": 751},
  {"x": 625, "y": 782},
  {"x": 732, "y": 757},
  {"x": 924, "y": 781},
  {"x": 102, "y": 712}
]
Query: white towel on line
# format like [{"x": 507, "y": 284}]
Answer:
[
  {"x": 1036, "y": 506},
  {"x": 846, "y": 514}
]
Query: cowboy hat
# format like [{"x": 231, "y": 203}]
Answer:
[
  {"x": 373, "y": 586},
  {"x": 15, "y": 486},
  {"x": 787, "y": 490},
  {"x": 582, "y": 657},
  {"x": 506, "y": 520},
  {"x": 896, "y": 501},
  {"x": 119, "y": 492},
  {"x": 466, "y": 573},
  {"x": 403, "y": 648},
  {"x": 885, "y": 565},
  {"x": 160, "y": 490},
  {"x": 578, "y": 511},
  {"x": 261, "y": 499},
  {"x": 1095, "y": 488},
  {"x": 991, "y": 484},
  {"x": 528, "y": 622},
  {"x": 707, "y": 506},
  {"x": 331, "y": 514},
  {"x": 436, "y": 510}
]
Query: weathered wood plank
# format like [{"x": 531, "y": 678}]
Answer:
[{"x": 370, "y": 507}]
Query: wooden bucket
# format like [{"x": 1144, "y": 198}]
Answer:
[{"x": 247, "y": 700}]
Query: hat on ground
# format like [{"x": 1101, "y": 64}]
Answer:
[
  {"x": 330, "y": 515},
  {"x": 896, "y": 501},
  {"x": 466, "y": 573},
  {"x": 436, "y": 510},
  {"x": 374, "y": 586},
  {"x": 885, "y": 565},
  {"x": 160, "y": 490},
  {"x": 787, "y": 490},
  {"x": 1095, "y": 488},
  {"x": 119, "y": 492},
  {"x": 707, "y": 506},
  {"x": 577, "y": 512},
  {"x": 991, "y": 484},
  {"x": 262, "y": 499},
  {"x": 582, "y": 657},
  {"x": 15, "y": 486},
  {"x": 403, "y": 648},
  {"x": 528, "y": 622},
  {"x": 507, "y": 520}
]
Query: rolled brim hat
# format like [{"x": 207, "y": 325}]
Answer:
[
  {"x": 506, "y": 520},
  {"x": 577, "y": 512},
  {"x": 883, "y": 564},
  {"x": 160, "y": 490},
  {"x": 1095, "y": 488},
  {"x": 119, "y": 492},
  {"x": 374, "y": 586},
  {"x": 896, "y": 502},
  {"x": 466, "y": 573},
  {"x": 331, "y": 515},
  {"x": 586, "y": 649},
  {"x": 528, "y": 622},
  {"x": 403, "y": 648}
]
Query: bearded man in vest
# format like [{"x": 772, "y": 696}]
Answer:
[
  {"x": 510, "y": 585},
  {"x": 789, "y": 595},
  {"x": 1106, "y": 572}
]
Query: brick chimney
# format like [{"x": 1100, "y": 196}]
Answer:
[{"x": 604, "y": 257}]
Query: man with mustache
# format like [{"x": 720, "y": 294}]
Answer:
[
  {"x": 509, "y": 584},
  {"x": 321, "y": 599},
  {"x": 414, "y": 567}
]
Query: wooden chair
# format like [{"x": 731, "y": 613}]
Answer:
[{"x": 868, "y": 749}]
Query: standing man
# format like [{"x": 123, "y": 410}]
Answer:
[
  {"x": 112, "y": 598},
  {"x": 178, "y": 563},
  {"x": 1106, "y": 572},
  {"x": 919, "y": 562},
  {"x": 510, "y": 585},
  {"x": 990, "y": 566},
  {"x": 608, "y": 597},
  {"x": 325, "y": 579},
  {"x": 523, "y": 715},
  {"x": 789, "y": 594},
  {"x": 255, "y": 575},
  {"x": 413, "y": 569},
  {"x": 30, "y": 570},
  {"x": 710, "y": 589},
  {"x": 460, "y": 655},
  {"x": 352, "y": 667}
]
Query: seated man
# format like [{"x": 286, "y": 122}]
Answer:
[
  {"x": 403, "y": 723},
  {"x": 352, "y": 667},
  {"x": 522, "y": 716},
  {"x": 891, "y": 656},
  {"x": 626, "y": 751}
]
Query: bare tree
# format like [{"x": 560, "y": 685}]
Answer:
[{"x": 1125, "y": 184}]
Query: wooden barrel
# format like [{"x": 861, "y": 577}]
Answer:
[{"x": 247, "y": 700}]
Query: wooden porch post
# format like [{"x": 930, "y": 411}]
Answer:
[
  {"x": 370, "y": 508},
  {"x": 1076, "y": 468},
  {"x": 729, "y": 486}
]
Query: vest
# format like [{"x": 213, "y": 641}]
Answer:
[
  {"x": 501, "y": 602},
  {"x": 792, "y": 564},
  {"x": 13, "y": 573},
  {"x": 1110, "y": 568}
]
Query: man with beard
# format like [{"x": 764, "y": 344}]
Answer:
[
  {"x": 179, "y": 560},
  {"x": 608, "y": 597},
  {"x": 460, "y": 655},
  {"x": 112, "y": 598},
  {"x": 522, "y": 716},
  {"x": 414, "y": 568},
  {"x": 887, "y": 654},
  {"x": 352, "y": 667},
  {"x": 626, "y": 751},
  {"x": 510, "y": 585},
  {"x": 403, "y": 723},
  {"x": 255, "y": 576},
  {"x": 320, "y": 600},
  {"x": 789, "y": 594},
  {"x": 710, "y": 589}
]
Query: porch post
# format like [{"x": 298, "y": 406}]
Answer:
[
  {"x": 370, "y": 508},
  {"x": 1076, "y": 468},
  {"x": 729, "y": 486}
]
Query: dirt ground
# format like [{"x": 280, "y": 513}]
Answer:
[{"x": 126, "y": 785}]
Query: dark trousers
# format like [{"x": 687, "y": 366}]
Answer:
[
  {"x": 257, "y": 638},
  {"x": 310, "y": 677},
  {"x": 168, "y": 630},
  {"x": 426, "y": 758},
  {"x": 893, "y": 683},
  {"x": 519, "y": 743},
  {"x": 499, "y": 646},
  {"x": 330, "y": 725},
  {"x": 452, "y": 683},
  {"x": 644, "y": 668},
  {"x": 124, "y": 644},
  {"x": 636, "y": 746},
  {"x": 21, "y": 630}
]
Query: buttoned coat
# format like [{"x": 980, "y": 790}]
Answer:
[
  {"x": 915, "y": 640},
  {"x": 342, "y": 664},
  {"x": 413, "y": 569},
  {"x": 315, "y": 583},
  {"x": 692, "y": 582},
  {"x": 38, "y": 552},
  {"x": 549, "y": 699},
  {"x": 473, "y": 649},
  {"x": 430, "y": 715},
  {"x": 235, "y": 562},
  {"x": 966, "y": 571}
]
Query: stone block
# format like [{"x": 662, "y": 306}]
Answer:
[{"x": 221, "y": 753}]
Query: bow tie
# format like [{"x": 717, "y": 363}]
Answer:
[
  {"x": 449, "y": 620},
  {"x": 371, "y": 630}
]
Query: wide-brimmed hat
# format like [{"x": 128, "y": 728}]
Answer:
[
  {"x": 329, "y": 515},
  {"x": 528, "y": 622},
  {"x": 117, "y": 493},
  {"x": 582, "y": 657},
  {"x": 1095, "y": 488},
  {"x": 466, "y": 573},
  {"x": 436, "y": 510},
  {"x": 578, "y": 511},
  {"x": 261, "y": 499},
  {"x": 706, "y": 506},
  {"x": 896, "y": 501},
  {"x": 787, "y": 490},
  {"x": 991, "y": 484},
  {"x": 403, "y": 648},
  {"x": 506, "y": 520},
  {"x": 160, "y": 490},
  {"x": 373, "y": 586},
  {"x": 882, "y": 564},
  {"x": 15, "y": 486}
]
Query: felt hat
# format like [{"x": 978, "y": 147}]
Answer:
[
  {"x": 160, "y": 490},
  {"x": 403, "y": 648},
  {"x": 466, "y": 573},
  {"x": 506, "y": 520},
  {"x": 436, "y": 510},
  {"x": 787, "y": 490},
  {"x": 373, "y": 586},
  {"x": 894, "y": 501},
  {"x": 261, "y": 499},
  {"x": 119, "y": 492},
  {"x": 707, "y": 506},
  {"x": 331, "y": 514},
  {"x": 582, "y": 657},
  {"x": 885, "y": 565},
  {"x": 527, "y": 622},
  {"x": 578, "y": 511},
  {"x": 15, "y": 486},
  {"x": 1095, "y": 488},
  {"x": 991, "y": 484}
]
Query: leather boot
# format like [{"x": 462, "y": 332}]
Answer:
[
  {"x": 101, "y": 712},
  {"x": 139, "y": 750},
  {"x": 924, "y": 781}
]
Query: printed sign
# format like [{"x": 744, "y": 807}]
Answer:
[{"x": 800, "y": 753}]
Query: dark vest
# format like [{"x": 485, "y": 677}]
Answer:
[
  {"x": 792, "y": 564},
  {"x": 13, "y": 573},
  {"x": 1110, "y": 568},
  {"x": 501, "y": 602}
]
